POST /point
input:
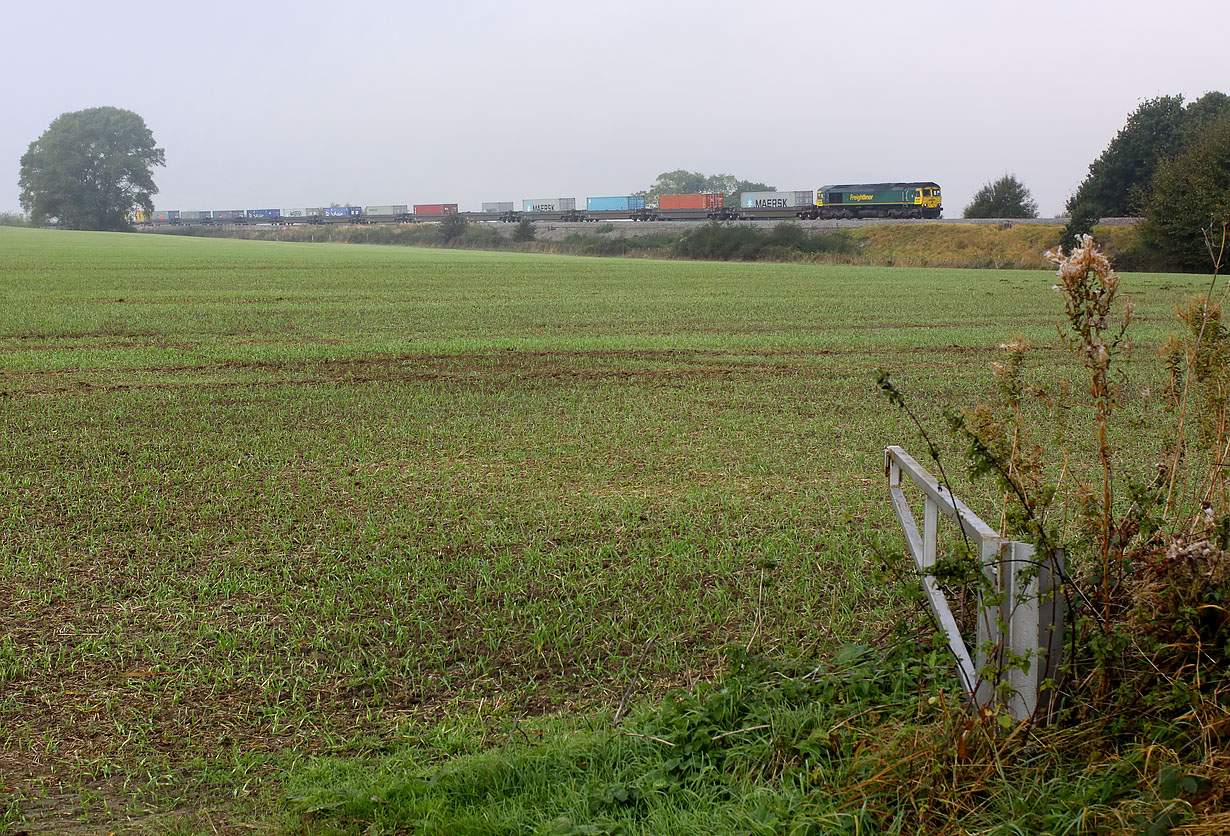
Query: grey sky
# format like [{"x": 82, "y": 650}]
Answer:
[{"x": 303, "y": 103}]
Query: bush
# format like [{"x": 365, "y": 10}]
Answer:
[
  {"x": 721, "y": 242},
  {"x": 479, "y": 237},
  {"x": 523, "y": 232},
  {"x": 786, "y": 242},
  {"x": 13, "y": 219},
  {"x": 453, "y": 227},
  {"x": 1006, "y": 197}
]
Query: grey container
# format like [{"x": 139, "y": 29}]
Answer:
[
  {"x": 550, "y": 204},
  {"x": 502, "y": 206},
  {"x": 393, "y": 209},
  {"x": 776, "y": 200}
]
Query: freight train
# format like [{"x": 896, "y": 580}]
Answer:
[{"x": 859, "y": 200}]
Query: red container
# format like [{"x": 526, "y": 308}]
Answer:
[
  {"x": 435, "y": 208},
  {"x": 690, "y": 201}
]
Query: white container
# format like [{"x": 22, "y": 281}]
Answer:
[
  {"x": 776, "y": 200},
  {"x": 392, "y": 209},
  {"x": 550, "y": 204},
  {"x": 502, "y": 206}
]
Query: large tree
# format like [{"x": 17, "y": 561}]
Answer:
[
  {"x": 681, "y": 181},
  {"x": 89, "y": 169},
  {"x": 1006, "y": 197},
  {"x": 1118, "y": 181},
  {"x": 1189, "y": 193}
]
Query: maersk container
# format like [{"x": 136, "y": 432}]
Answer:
[
  {"x": 550, "y": 204},
  {"x": 704, "y": 200},
  {"x": 343, "y": 211},
  {"x": 502, "y": 206},
  {"x": 623, "y": 203},
  {"x": 264, "y": 213},
  {"x": 301, "y": 213},
  {"x": 392, "y": 209},
  {"x": 228, "y": 214},
  {"x": 776, "y": 200},
  {"x": 166, "y": 215},
  {"x": 435, "y": 208}
]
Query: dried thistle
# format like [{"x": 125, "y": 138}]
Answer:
[{"x": 1090, "y": 288}]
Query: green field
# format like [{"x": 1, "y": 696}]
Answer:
[{"x": 263, "y": 501}]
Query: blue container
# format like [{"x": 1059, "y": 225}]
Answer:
[
  {"x": 343, "y": 211},
  {"x": 264, "y": 213},
  {"x": 623, "y": 203}
]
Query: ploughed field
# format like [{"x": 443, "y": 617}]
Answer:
[{"x": 261, "y": 500}]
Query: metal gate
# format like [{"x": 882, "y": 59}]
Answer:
[{"x": 1020, "y": 612}]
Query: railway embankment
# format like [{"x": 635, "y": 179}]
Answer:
[
  {"x": 1004, "y": 244},
  {"x": 559, "y": 230}
]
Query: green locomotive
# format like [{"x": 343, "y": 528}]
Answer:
[{"x": 876, "y": 200}]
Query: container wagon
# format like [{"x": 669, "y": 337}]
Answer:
[
  {"x": 341, "y": 214},
  {"x": 434, "y": 210},
  {"x": 387, "y": 213},
  {"x": 620, "y": 207},
  {"x": 504, "y": 211},
  {"x": 691, "y": 207},
  {"x": 776, "y": 204},
  {"x": 553, "y": 209},
  {"x": 301, "y": 215}
]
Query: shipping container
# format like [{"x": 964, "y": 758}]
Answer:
[
  {"x": 228, "y": 214},
  {"x": 202, "y": 215},
  {"x": 264, "y": 213},
  {"x": 776, "y": 200},
  {"x": 343, "y": 211},
  {"x": 391, "y": 209},
  {"x": 302, "y": 213},
  {"x": 166, "y": 215},
  {"x": 704, "y": 200},
  {"x": 550, "y": 204},
  {"x": 435, "y": 208},
  {"x": 498, "y": 207},
  {"x": 623, "y": 203}
]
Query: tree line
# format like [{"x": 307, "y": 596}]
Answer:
[{"x": 1169, "y": 165}]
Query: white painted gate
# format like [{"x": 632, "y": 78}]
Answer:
[{"x": 1020, "y": 613}]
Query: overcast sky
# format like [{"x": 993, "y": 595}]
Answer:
[{"x": 305, "y": 103}]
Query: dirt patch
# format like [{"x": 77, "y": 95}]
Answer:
[{"x": 510, "y": 367}]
